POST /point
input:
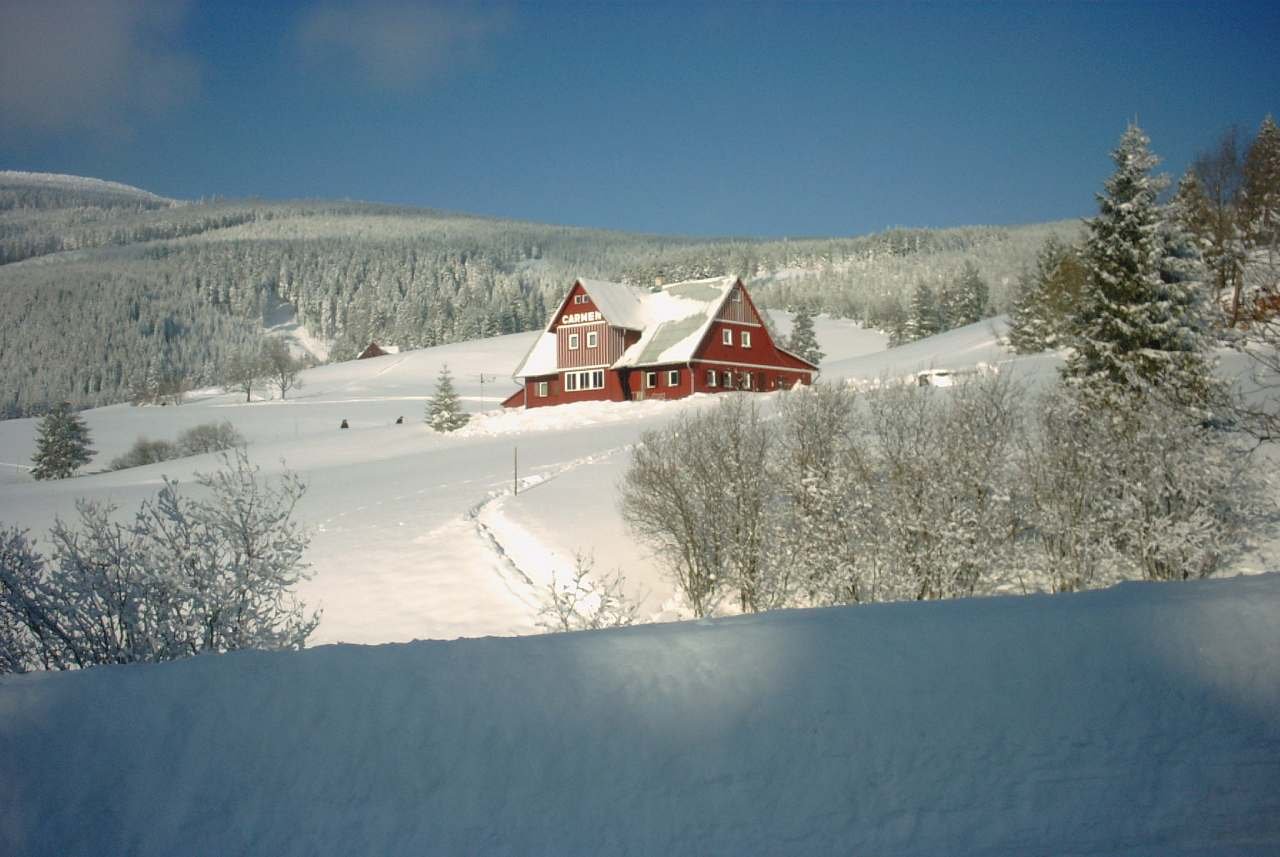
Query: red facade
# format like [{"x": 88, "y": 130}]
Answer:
[{"x": 731, "y": 350}]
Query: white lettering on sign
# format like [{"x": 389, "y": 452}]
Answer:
[{"x": 575, "y": 317}]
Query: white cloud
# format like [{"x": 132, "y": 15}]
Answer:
[
  {"x": 91, "y": 64},
  {"x": 397, "y": 45}
]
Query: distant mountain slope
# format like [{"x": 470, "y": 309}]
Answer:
[
  {"x": 133, "y": 284},
  {"x": 1133, "y": 721}
]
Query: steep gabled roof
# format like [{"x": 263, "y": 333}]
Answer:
[
  {"x": 620, "y": 304},
  {"x": 679, "y": 316}
]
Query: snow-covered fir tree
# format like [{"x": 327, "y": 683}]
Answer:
[
  {"x": 1134, "y": 330},
  {"x": 924, "y": 317},
  {"x": 62, "y": 445},
  {"x": 970, "y": 296},
  {"x": 1047, "y": 298},
  {"x": 444, "y": 410},
  {"x": 803, "y": 342}
]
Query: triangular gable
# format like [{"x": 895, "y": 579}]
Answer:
[{"x": 768, "y": 331}]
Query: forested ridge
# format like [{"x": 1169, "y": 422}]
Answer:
[{"x": 103, "y": 285}]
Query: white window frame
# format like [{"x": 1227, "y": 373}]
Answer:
[
  {"x": 573, "y": 342},
  {"x": 593, "y": 338},
  {"x": 580, "y": 299},
  {"x": 543, "y": 389},
  {"x": 673, "y": 377},
  {"x": 650, "y": 380},
  {"x": 726, "y": 336},
  {"x": 746, "y": 339},
  {"x": 736, "y": 296},
  {"x": 570, "y": 382},
  {"x": 746, "y": 380},
  {"x": 727, "y": 379},
  {"x": 713, "y": 378}
]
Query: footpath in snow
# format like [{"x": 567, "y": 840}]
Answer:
[{"x": 1134, "y": 721}]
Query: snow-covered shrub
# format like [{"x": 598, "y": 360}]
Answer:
[
  {"x": 699, "y": 491},
  {"x": 198, "y": 440},
  {"x": 209, "y": 437},
  {"x": 144, "y": 451},
  {"x": 587, "y": 601},
  {"x": 186, "y": 576}
]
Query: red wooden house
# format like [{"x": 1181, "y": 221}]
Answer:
[{"x": 612, "y": 342}]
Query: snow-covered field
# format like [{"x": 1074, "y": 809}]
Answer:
[
  {"x": 404, "y": 532},
  {"x": 1140, "y": 720}
]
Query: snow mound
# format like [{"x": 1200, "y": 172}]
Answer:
[{"x": 1139, "y": 720}]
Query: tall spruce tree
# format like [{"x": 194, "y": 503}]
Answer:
[
  {"x": 924, "y": 318},
  {"x": 1135, "y": 330},
  {"x": 970, "y": 296},
  {"x": 802, "y": 341},
  {"x": 1047, "y": 298},
  {"x": 444, "y": 410},
  {"x": 62, "y": 445}
]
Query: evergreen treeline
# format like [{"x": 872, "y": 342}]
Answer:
[{"x": 107, "y": 286}]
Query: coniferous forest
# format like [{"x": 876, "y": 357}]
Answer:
[{"x": 105, "y": 287}]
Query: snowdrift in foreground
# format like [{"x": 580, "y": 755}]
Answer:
[{"x": 1139, "y": 720}]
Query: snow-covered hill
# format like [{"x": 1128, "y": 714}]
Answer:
[{"x": 1135, "y": 721}]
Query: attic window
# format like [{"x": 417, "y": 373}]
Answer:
[
  {"x": 735, "y": 296},
  {"x": 726, "y": 336},
  {"x": 580, "y": 299}
]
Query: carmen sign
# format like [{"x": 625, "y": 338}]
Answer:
[{"x": 575, "y": 317}]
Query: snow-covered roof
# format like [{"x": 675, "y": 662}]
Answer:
[
  {"x": 620, "y": 304},
  {"x": 678, "y": 317},
  {"x": 540, "y": 359},
  {"x": 672, "y": 321}
]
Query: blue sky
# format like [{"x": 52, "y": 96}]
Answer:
[{"x": 689, "y": 118}]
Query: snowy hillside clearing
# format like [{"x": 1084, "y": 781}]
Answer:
[
  {"x": 1133, "y": 721},
  {"x": 396, "y": 553}
]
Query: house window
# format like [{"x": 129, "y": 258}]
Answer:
[
  {"x": 579, "y": 299},
  {"x": 597, "y": 379},
  {"x": 728, "y": 380},
  {"x": 746, "y": 339},
  {"x": 593, "y": 339},
  {"x": 726, "y": 336},
  {"x": 571, "y": 381},
  {"x": 542, "y": 389},
  {"x": 573, "y": 342},
  {"x": 651, "y": 379},
  {"x": 711, "y": 377},
  {"x": 746, "y": 380},
  {"x": 673, "y": 377}
]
